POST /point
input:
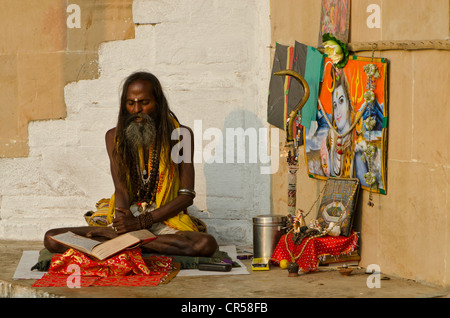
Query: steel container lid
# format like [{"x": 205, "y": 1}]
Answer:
[{"x": 269, "y": 219}]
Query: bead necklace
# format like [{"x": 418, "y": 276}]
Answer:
[{"x": 147, "y": 182}]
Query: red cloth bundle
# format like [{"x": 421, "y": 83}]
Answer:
[
  {"x": 127, "y": 268},
  {"x": 315, "y": 248}
]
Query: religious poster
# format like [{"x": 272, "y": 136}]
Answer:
[
  {"x": 348, "y": 137},
  {"x": 334, "y": 19}
]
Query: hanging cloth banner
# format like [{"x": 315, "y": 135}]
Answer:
[
  {"x": 313, "y": 71},
  {"x": 278, "y": 88},
  {"x": 284, "y": 93}
]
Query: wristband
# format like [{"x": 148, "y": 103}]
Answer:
[{"x": 187, "y": 192}]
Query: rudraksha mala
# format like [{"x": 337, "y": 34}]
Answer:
[{"x": 145, "y": 220}]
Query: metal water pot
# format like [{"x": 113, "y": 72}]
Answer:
[{"x": 267, "y": 231}]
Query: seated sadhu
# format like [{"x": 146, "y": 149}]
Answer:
[{"x": 152, "y": 191}]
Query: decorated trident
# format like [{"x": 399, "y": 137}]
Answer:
[{"x": 290, "y": 142}]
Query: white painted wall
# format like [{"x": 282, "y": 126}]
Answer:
[{"x": 213, "y": 60}]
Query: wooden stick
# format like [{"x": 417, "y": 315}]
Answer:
[{"x": 400, "y": 45}]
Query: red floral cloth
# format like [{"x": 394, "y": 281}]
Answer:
[
  {"x": 61, "y": 280},
  {"x": 124, "y": 263},
  {"x": 315, "y": 248},
  {"x": 127, "y": 268}
]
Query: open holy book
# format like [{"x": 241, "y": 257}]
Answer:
[{"x": 103, "y": 250}]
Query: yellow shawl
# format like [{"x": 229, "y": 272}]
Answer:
[{"x": 167, "y": 190}]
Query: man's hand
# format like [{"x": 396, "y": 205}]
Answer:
[
  {"x": 106, "y": 232},
  {"x": 125, "y": 221}
]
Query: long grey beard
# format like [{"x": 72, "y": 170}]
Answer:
[{"x": 140, "y": 134}]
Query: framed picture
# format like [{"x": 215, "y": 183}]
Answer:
[
  {"x": 334, "y": 19},
  {"x": 338, "y": 204},
  {"x": 338, "y": 140}
]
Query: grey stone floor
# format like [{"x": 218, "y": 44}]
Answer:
[{"x": 275, "y": 283}]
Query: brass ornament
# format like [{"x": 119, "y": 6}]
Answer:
[{"x": 294, "y": 112}]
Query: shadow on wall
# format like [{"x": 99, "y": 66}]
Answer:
[{"x": 236, "y": 190}]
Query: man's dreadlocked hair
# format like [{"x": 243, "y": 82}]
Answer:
[{"x": 164, "y": 127}]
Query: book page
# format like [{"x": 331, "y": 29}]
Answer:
[
  {"x": 142, "y": 235},
  {"x": 78, "y": 242},
  {"x": 113, "y": 246}
]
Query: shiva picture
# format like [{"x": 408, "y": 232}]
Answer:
[{"x": 348, "y": 138}]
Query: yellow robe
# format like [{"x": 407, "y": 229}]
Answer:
[{"x": 168, "y": 186}]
